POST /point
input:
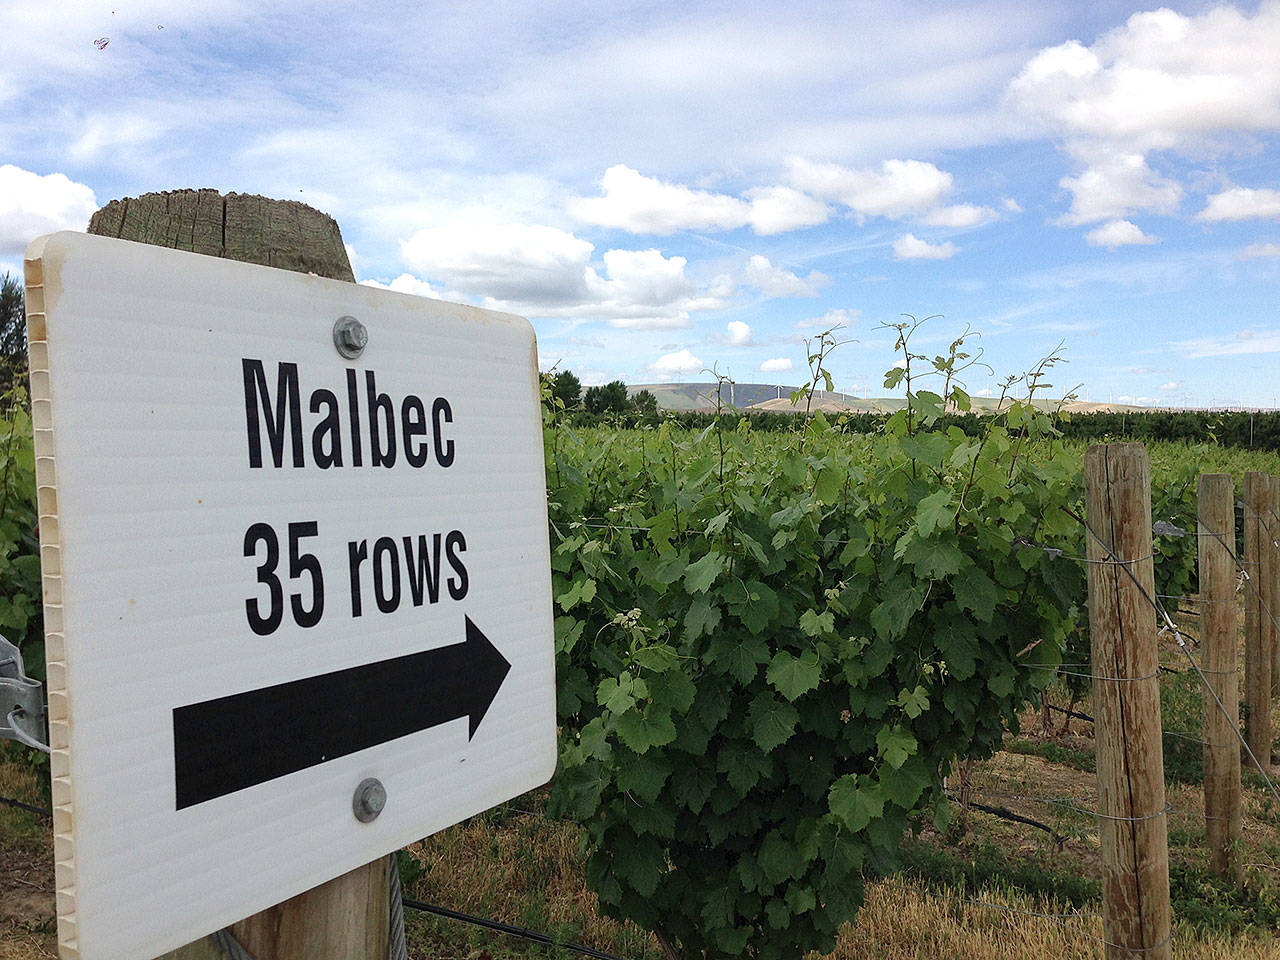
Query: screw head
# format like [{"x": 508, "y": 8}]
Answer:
[
  {"x": 350, "y": 337},
  {"x": 369, "y": 799}
]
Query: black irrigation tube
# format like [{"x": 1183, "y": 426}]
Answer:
[
  {"x": 1004, "y": 813},
  {"x": 514, "y": 931},
  {"x": 1070, "y": 713},
  {"x": 10, "y": 802}
]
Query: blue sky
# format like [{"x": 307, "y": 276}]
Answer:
[{"x": 666, "y": 187}]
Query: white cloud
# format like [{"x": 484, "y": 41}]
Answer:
[
  {"x": 1118, "y": 233},
  {"x": 510, "y": 262},
  {"x": 900, "y": 188},
  {"x": 775, "y": 282},
  {"x": 1243, "y": 343},
  {"x": 406, "y": 283},
  {"x": 738, "y": 334},
  {"x": 1161, "y": 82},
  {"x": 542, "y": 271},
  {"x": 836, "y": 317},
  {"x": 776, "y": 365},
  {"x": 1171, "y": 385},
  {"x": 1242, "y": 203},
  {"x": 639, "y": 204},
  {"x": 32, "y": 205},
  {"x": 680, "y": 363},
  {"x": 958, "y": 215},
  {"x": 1256, "y": 250},
  {"x": 1114, "y": 184},
  {"x": 780, "y": 209},
  {"x": 911, "y": 247},
  {"x": 1010, "y": 205}
]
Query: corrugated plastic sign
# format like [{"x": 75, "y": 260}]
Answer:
[{"x": 272, "y": 573}]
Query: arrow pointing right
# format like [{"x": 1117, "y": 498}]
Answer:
[{"x": 238, "y": 741}]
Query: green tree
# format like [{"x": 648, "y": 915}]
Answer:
[
  {"x": 13, "y": 334},
  {"x": 611, "y": 398},
  {"x": 644, "y": 402},
  {"x": 567, "y": 387}
]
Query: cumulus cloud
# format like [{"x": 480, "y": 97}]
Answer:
[
  {"x": 775, "y": 282},
  {"x": 511, "y": 262},
  {"x": 898, "y": 189},
  {"x": 738, "y": 334},
  {"x": 1171, "y": 385},
  {"x": 543, "y": 271},
  {"x": 836, "y": 317},
  {"x": 680, "y": 363},
  {"x": 1115, "y": 184},
  {"x": 776, "y": 365},
  {"x": 780, "y": 209},
  {"x": 1242, "y": 203},
  {"x": 1163, "y": 81},
  {"x": 1118, "y": 233},
  {"x": 406, "y": 283},
  {"x": 911, "y": 247},
  {"x": 638, "y": 204},
  {"x": 1257, "y": 250},
  {"x": 959, "y": 215},
  {"x": 32, "y": 205}
]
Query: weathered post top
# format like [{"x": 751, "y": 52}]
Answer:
[{"x": 239, "y": 226}]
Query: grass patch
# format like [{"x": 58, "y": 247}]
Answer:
[
  {"x": 1053, "y": 752},
  {"x": 986, "y": 866},
  {"x": 1211, "y": 905}
]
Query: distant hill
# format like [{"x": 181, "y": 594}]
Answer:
[{"x": 763, "y": 397}]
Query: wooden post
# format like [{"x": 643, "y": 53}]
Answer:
[
  {"x": 1257, "y": 656},
  {"x": 1122, "y": 625},
  {"x": 348, "y": 917},
  {"x": 1217, "y": 531},
  {"x": 1271, "y": 547}
]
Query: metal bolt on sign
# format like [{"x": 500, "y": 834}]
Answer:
[
  {"x": 370, "y": 797},
  {"x": 350, "y": 337}
]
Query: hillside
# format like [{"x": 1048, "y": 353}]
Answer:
[{"x": 762, "y": 397}]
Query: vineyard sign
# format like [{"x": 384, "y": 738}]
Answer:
[{"x": 294, "y": 535}]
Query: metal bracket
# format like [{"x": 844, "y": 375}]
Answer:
[{"x": 21, "y": 701}]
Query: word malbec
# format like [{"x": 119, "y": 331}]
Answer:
[{"x": 279, "y": 417}]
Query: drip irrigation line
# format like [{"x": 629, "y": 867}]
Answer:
[
  {"x": 1004, "y": 813},
  {"x": 1070, "y": 713},
  {"x": 10, "y": 802},
  {"x": 507, "y": 928}
]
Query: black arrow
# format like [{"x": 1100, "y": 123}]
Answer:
[{"x": 224, "y": 745}]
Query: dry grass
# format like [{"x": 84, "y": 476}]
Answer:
[
  {"x": 27, "y": 930},
  {"x": 515, "y": 865}
]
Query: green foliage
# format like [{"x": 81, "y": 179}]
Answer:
[
  {"x": 13, "y": 335},
  {"x": 786, "y": 642},
  {"x": 644, "y": 402},
  {"x": 610, "y": 398},
  {"x": 21, "y": 613},
  {"x": 566, "y": 388}
]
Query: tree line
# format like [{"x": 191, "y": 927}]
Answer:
[
  {"x": 609, "y": 404},
  {"x": 609, "y": 398}
]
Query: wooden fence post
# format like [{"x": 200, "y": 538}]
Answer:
[
  {"x": 1257, "y": 655},
  {"x": 348, "y": 917},
  {"x": 1122, "y": 625},
  {"x": 1217, "y": 532},
  {"x": 1271, "y": 545}
]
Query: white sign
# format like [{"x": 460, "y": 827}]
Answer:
[{"x": 272, "y": 573}]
